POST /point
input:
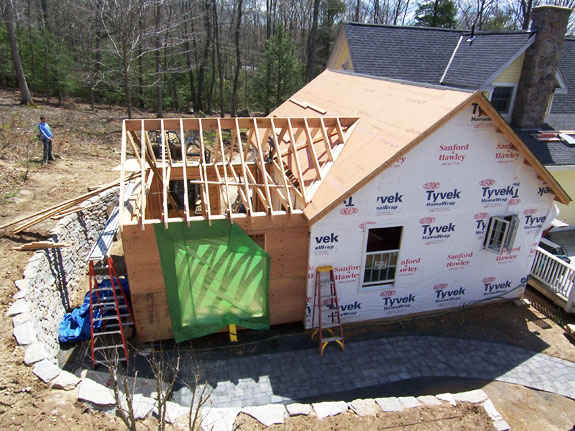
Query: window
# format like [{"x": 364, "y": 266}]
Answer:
[
  {"x": 381, "y": 253},
  {"x": 501, "y": 99},
  {"x": 501, "y": 232}
]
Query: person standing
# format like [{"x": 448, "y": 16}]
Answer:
[{"x": 46, "y": 135}]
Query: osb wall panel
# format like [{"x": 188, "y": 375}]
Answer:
[{"x": 286, "y": 239}]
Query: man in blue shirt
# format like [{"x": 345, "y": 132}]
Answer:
[{"x": 46, "y": 135}]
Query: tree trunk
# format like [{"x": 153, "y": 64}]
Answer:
[
  {"x": 158, "y": 58},
  {"x": 238, "y": 61},
  {"x": 31, "y": 47},
  {"x": 199, "y": 102},
  {"x": 356, "y": 18},
  {"x": 187, "y": 56},
  {"x": 219, "y": 53},
  {"x": 26, "y": 97},
  {"x": 312, "y": 42}
]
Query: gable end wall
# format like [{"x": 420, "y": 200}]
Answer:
[{"x": 442, "y": 193}]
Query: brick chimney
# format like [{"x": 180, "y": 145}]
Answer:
[{"x": 537, "y": 81}]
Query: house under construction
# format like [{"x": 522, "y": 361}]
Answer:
[{"x": 214, "y": 233}]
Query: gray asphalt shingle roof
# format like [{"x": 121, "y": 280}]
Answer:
[
  {"x": 548, "y": 153},
  {"x": 474, "y": 62},
  {"x": 565, "y": 103},
  {"x": 416, "y": 54}
]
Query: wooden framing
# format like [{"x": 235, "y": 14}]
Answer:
[{"x": 251, "y": 173}]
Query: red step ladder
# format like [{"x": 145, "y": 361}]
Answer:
[
  {"x": 108, "y": 342},
  {"x": 326, "y": 302}
]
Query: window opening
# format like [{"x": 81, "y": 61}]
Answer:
[
  {"x": 381, "y": 255},
  {"x": 500, "y": 234}
]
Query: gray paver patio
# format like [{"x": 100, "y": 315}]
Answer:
[{"x": 287, "y": 376}]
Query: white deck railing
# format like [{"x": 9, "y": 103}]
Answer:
[{"x": 557, "y": 275}]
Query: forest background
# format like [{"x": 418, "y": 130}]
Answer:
[{"x": 236, "y": 57}]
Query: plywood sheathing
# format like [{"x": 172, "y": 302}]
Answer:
[
  {"x": 286, "y": 238},
  {"x": 394, "y": 117}
]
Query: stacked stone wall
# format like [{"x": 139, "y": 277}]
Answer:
[{"x": 53, "y": 276}]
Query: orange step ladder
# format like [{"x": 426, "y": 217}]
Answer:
[
  {"x": 326, "y": 303},
  {"x": 108, "y": 342}
]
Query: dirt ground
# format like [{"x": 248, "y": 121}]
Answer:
[{"x": 87, "y": 148}]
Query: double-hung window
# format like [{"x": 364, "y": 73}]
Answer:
[
  {"x": 502, "y": 98},
  {"x": 501, "y": 232},
  {"x": 381, "y": 256}
]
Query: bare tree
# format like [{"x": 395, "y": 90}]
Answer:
[
  {"x": 312, "y": 41},
  {"x": 9, "y": 17},
  {"x": 238, "y": 17}
]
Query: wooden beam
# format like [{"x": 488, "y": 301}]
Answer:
[
  {"x": 296, "y": 160},
  {"x": 184, "y": 149},
  {"x": 144, "y": 189},
  {"x": 326, "y": 141},
  {"x": 281, "y": 165},
  {"x": 238, "y": 134},
  {"x": 165, "y": 184},
  {"x": 224, "y": 163},
  {"x": 205, "y": 190},
  {"x": 263, "y": 166},
  {"x": 122, "y": 173},
  {"x": 309, "y": 141}
]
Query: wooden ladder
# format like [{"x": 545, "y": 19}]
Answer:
[
  {"x": 110, "y": 314},
  {"x": 326, "y": 302}
]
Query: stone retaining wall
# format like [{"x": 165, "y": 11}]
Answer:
[{"x": 53, "y": 276}]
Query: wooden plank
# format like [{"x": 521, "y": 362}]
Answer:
[
  {"x": 326, "y": 141},
  {"x": 205, "y": 190},
  {"x": 281, "y": 165},
  {"x": 224, "y": 163},
  {"x": 144, "y": 188},
  {"x": 296, "y": 160},
  {"x": 184, "y": 149},
  {"x": 165, "y": 184},
  {"x": 37, "y": 245},
  {"x": 310, "y": 147}
]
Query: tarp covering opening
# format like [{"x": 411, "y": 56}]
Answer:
[{"x": 215, "y": 276}]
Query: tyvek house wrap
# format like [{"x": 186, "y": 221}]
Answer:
[{"x": 442, "y": 193}]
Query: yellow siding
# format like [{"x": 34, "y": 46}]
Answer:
[
  {"x": 512, "y": 73},
  {"x": 548, "y": 106},
  {"x": 567, "y": 180},
  {"x": 341, "y": 56}
]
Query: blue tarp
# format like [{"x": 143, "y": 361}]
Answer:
[{"x": 75, "y": 326}]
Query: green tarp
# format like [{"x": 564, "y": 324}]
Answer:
[{"x": 214, "y": 276}]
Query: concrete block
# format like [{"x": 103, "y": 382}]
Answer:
[
  {"x": 390, "y": 404},
  {"x": 329, "y": 408},
  {"x": 46, "y": 370},
  {"x": 19, "y": 319},
  {"x": 268, "y": 414},
  {"x": 66, "y": 381},
  {"x": 296, "y": 409},
  {"x": 365, "y": 407},
  {"x": 35, "y": 352},
  {"x": 95, "y": 393}
]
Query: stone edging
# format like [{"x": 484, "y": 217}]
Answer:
[{"x": 222, "y": 419}]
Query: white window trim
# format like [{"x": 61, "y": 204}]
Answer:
[
  {"x": 364, "y": 253},
  {"x": 512, "y": 228},
  {"x": 506, "y": 115}
]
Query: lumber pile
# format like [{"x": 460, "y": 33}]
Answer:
[
  {"x": 64, "y": 208},
  {"x": 36, "y": 245}
]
